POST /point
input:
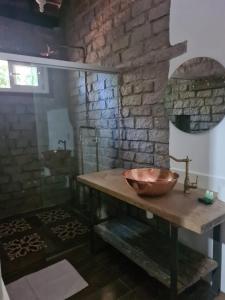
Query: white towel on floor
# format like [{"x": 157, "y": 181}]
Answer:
[{"x": 57, "y": 282}]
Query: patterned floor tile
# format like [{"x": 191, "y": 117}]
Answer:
[
  {"x": 69, "y": 230},
  {"x": 53, "y": 215},
  {"x": 14, "y": 226},
  {"x": 21, "y": 247}
]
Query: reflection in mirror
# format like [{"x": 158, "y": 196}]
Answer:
[{"x": 195, "y": 95}]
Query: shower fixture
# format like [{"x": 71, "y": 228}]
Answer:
[
  {"x": 63, "y": 142},
  {"x": 48, "y": 52},
  {"x": 55, "y": 3},
  {"x": 41, "y": 4}
]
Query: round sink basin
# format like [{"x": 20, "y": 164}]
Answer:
[
  {"x": 58, "y": 161},
  {"x": 151, "y": 181},
  {"x": 56, "y": 154}
]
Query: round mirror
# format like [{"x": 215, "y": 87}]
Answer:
[{"x": 195, "y": 95}]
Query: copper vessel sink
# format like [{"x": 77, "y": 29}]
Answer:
[{"x": 151, "y": 181}]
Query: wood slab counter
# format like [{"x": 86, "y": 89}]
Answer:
[{"x": 182, "y": 210}]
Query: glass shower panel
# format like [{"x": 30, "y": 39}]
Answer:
[
  {"x": 77, "y": 124},
  {"x": 55, "y": 139},
  {"x": 55, "y": 124},
  {"x": 95, "y": 108},
  {"x": 104, "y": 115},
  {"x": 98, "y": 130},
  {"x": 21, "y": 166}
]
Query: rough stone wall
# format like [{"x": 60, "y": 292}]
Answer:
[
  {"x": 134, "y": 37},
  {"x": 22, "y": 184},
  {"x": 203, "y": 100},
  {"x": 94, "y": 103},
  {"x": 20, "y": 167}
]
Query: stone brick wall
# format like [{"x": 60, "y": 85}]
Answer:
[
  {"x": 22, "y": 184},
  {"x": 94, "y": 103},
  {"x": 20, "y": 167},
  {"x": 203, "y": 100},
  {"x": 130, "y": 35},
  {"x": 134, "y": 37}
]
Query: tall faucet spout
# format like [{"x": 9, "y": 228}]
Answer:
[
  {"x": 62, "y": 142},
  {"x": 187, "y": 159},
  {"x": 187, "y": 184}
]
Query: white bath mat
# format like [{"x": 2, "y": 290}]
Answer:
[{"x": 57, "y": 282}]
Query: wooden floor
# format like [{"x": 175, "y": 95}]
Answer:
[{"x": 112, "y": 276}]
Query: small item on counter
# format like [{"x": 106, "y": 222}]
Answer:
[{"x": 208, "y": 198}]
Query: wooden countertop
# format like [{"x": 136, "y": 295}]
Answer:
[{"x": 183, "y": 210}]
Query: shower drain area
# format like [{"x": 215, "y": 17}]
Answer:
[{"x": 28, "y": 239}]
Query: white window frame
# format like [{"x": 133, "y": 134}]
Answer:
[{"x": 43, "y": 82}]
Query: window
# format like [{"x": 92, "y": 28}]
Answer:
[
  {"x": 23, "y": 78},
  {"x": 4, "y": 75},
  {"x": 25, "y": 75}
]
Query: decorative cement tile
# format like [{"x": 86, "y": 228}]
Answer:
[
  {"x": 53, "y": 215},
  {"x": 15, "y": 226},
  {"x": 23, "y": 246},
  {"x": 69, "y": 230}
]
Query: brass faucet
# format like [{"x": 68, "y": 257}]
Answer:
[
  {"x": 62, "y": 142},
  {"x": 187, "y": 184}
]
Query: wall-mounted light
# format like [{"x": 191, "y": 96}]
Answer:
[{"x": 42, "y": 3}]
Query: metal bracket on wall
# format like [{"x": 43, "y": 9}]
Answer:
[
  {"x": 81, "y": 146},
  {"x": 95, "y": 139}
]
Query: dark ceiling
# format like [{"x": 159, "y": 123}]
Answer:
[{"x": 28, "y": 11}]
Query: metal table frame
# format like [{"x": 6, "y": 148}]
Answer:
[{"x": 174, "y": 251}]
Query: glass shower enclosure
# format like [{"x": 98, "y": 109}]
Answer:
[{"x": 58, "y": 119}]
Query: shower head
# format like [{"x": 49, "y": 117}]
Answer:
[{"x": 42, "y": 3}]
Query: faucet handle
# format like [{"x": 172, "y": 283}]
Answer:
[
  {"x": 195, "y": 184},
  {"x": 188, "y": 159},
  {"x": 196, "y": 181}
]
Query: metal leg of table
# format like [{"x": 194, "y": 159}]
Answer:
[
  {"x": 217, "y": 256},
  {"x": 174, "y": 262},
  {"x": 93, "y": 220}
]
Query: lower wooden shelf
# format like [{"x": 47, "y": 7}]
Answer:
[{"x": 151, "y": 251}]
